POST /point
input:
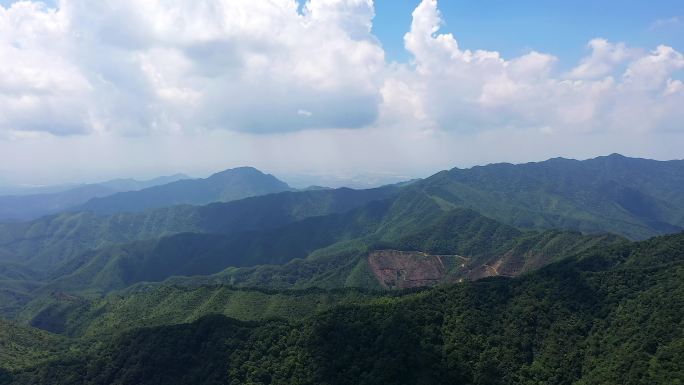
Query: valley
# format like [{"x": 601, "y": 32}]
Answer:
[
  {"x": 341, "y": 192},
  {"x": 296, "y": 268}
]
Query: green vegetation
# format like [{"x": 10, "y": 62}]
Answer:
[
  {"x": 22, "y": 346},
  {"x": 636, "y": 198},
  {"x": 286, "y": 288},
  {"x": 324, "y": 251},
  {"x": 146, "y": 305},
  {"x": 46, "y": 242},
  {"x": 611, "y": 315},
  {"x": 225, "y": 186},
  {"x": 108, "y": 252}
]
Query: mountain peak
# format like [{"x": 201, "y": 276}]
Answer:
[
  {"x": 613, "y": 156},
  {"x": 232, "y": 184},
  {"x": 244, "y": 170},
  {"x": 618, "y": 158}
]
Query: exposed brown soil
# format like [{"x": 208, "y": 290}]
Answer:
[
  {"x": 396, "y": 269},
  {"x": 404, "y": 269},
  {"x": 507, "y": 265}
]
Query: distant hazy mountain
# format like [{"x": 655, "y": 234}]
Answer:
[
  {"x": 128, "y": 184},
  {"x": 225, "y": 186},
  {"x": 12, "y": 189},
  {"x": 586, "y": 306},
  {"x": 26, "y": 207},
  {"x": 631, "y": 197}
]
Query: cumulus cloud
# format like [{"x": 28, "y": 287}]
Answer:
[
  {"x": 470, "y": 91},
  {"x": 141, "y": 67},
  {"x": 136, "y": 67},
  {"x": 605, "y": 56},
  {"x": 255, "y": 76}
]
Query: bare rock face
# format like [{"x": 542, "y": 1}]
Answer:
[
  {"x": 508, "y": 265},
  {"x": 396, "y": 269},
  {"x": 405, "y": 269}
]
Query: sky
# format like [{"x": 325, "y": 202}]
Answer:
[{"x": 332, "y": 91}]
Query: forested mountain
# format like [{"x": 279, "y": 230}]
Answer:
[
  {"x": 224, "y": 186},
  {"x": 609, "y": 315},
  {"x": 340, "y": 285},
  {"x": 376, "y": 244},
  {"x": 637, "y": 198},
  {"x": 45, "y": 242},
  {"x": 488, "y": 248},
  {"x": 30, "y": 206},
  {"x": 457, "y": 244},
  {"x": 71, "y": 251},
  {"x": 645, "y": 199}
]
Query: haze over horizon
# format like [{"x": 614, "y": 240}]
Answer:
[
  {"x": 295, "y": 180},
  {"x": 306, "y": 192},
  {"x": 328, "y": 89}
]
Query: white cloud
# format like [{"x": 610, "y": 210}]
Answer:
[
  {"x": 671, "y": 22},
  {"x": 268, "y": 83},
  {"x": 652, "y": 71},
  {"x": 138, "y": 67},
  {"x": 605, "y": 56},
  {"x": 470, "y": 91}
]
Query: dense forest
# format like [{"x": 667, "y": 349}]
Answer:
[
  {"x": 610, "y": 315},
  {"x": 557, "y": 272}
]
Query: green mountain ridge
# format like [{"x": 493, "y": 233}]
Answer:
[
  {"x": 104, "y": 251},
  {"x": 458, "y": 231},
  {"x": 499, "y": 274},
  {"x": 609, "y": 315},
  {"x": 597, "y": 195},
  {"x": 636, "y": 198},
  {"x": 324, "y": 238},
  {"x": 51, "y": 240},
  {"x": 192, "y": 254},
  {"x": 154, "y": 305},
  {"x": 316, "y": 259}
]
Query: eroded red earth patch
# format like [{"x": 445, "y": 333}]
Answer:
[{"x": 404, "y": 269}]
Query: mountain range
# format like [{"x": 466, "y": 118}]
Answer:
[
  {"x": 30, "y": 206},
  {"x": 494, "y": 274},
  {"x": 225, "y": 186}
]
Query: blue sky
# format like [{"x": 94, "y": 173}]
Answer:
[{"x": 561, "y": 28}]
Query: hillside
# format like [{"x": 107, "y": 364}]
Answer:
[
  {"x": 194, "y": 254},
  {"x": 14, "y": 208},
  {"x": 224, "y": 186},
  {"x": 184, "y": 299},
  {"x": 155, "y": 305},
  {"x": 476, "y": 241},
  {"x": 636, "y": 198},
  {"x": 632, "y": 197},
  {"x": 89, "y": 252},
  {"x": 491, "y": 249},
  {"x": 333, "y": 286},
  {"x": 22, "y": 346},
  {"x": 46, "y": 242},
  {"x": 579, "y": 321},
  {"x": 333, "y": 251},
  {"x": 392, "y": 237}
]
